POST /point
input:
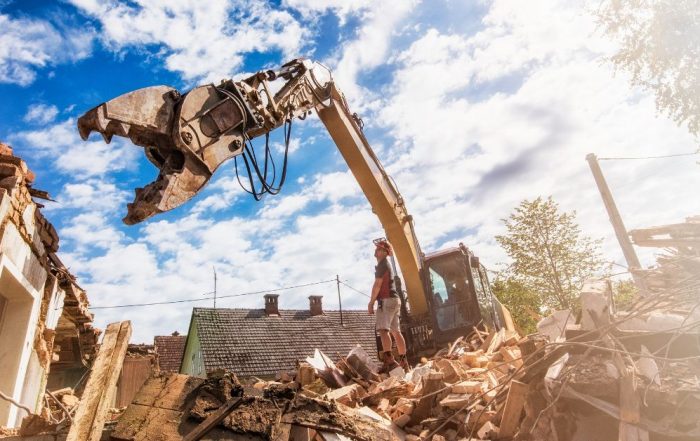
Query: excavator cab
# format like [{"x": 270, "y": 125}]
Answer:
[{"x": 459, "y": 296}]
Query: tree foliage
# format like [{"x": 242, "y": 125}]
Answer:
[
  {"x": 523, "y": 304},
  {"x": 625, "y": 294},
  {"x": 550, "y": 256},
  {"x": 659, "y": 45}
]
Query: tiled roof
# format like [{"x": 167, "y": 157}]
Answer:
[
  {"x": 248, "y": 342},
  {"x": 170, "y": 349}
]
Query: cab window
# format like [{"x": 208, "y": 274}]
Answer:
[
  {"x": 451, "y": 293},
  {"x": 483, "y": 294}
]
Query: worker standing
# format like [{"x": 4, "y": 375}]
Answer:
[{"x": 388, "y": 308}]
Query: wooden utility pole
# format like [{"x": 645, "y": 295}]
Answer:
[
  {"x": 340, "y": 304},
  {"x": 620, "y": 231}
]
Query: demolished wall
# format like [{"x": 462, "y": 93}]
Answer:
[{"x": 45, "y": 324}]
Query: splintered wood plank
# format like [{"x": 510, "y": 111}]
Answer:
[
  {"x": 145, "y": 423},
  {"x": 167, "y": 391},
  {"x": 496, "y": 342},
  {"x": 100, "y": 389},
  {"x": 629, "y": 410},
  {"x": 156, "y": 413},
  {"x": 513, "y": 409},
  {"x": 212, "y": 420},
  {"x": 112, "y": 377}
]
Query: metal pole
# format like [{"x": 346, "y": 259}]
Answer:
[
  {"x": 340, "y": 304},
  {"x": 214, "y": 268},
  {"x": 620, "y": 231}
]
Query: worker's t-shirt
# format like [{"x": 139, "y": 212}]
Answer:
[{"x": 383, "y": 271}]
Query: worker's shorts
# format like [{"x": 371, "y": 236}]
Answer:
[{"x": 388, "y": 314}]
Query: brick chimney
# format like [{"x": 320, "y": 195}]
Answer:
[
  {"x": 315, "y": 305},
  {"x": 271, "y": 304}
]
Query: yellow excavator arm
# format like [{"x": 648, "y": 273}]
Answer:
[{"x": 188, "y": 136}]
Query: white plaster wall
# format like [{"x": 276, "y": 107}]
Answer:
[
  {"x": 32, "y": 388},
  {"x": 55, "y": 306},
  {"x": 17, "y": 250},
  {"x": 16, "y": 335}
]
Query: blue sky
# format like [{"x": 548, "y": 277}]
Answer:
[{"x": 472, "y": 107}]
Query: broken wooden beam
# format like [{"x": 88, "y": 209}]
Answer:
[
  {"x": 100, "y": 389},
  {"x": 513, "y": 409}
]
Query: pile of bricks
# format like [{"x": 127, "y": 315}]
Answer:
[{"x": 468, "y": 390}]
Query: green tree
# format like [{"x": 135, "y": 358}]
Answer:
[
  {"x": 659, "y": 45},
  {"x": 550, "y": 256},
  {"x": 523, "y": 304},
  {"x": 625, "y": 294}
]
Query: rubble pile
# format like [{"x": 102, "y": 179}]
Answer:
[
  {"x": 599, "y": 374},
  {"x": 466, "y": 390},
  {"x": 56, "y": 414},
  {"x": 62, "y": 404},
  {"x": 679, "y": 267},
  {"x": 596, "y": 379}
]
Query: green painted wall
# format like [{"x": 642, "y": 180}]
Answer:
[{"x": 192, "y": 362}]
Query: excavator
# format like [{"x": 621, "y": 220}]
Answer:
[{"x": 188, "y": 136}]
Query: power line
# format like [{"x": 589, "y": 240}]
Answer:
[
  {"x": 284, "y": 288},
  {"x": 356, "y": 290},
  {"x": 651, "y": 157}
]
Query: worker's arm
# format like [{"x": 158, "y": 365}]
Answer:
[{"x": 375, "y": 293}]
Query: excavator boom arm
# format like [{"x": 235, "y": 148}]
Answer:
[
  {"x": 188, "y": 136},
  {"x": 381, "y": 193}
]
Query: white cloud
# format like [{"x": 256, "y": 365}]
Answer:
[
  {"x": 69, "y": 154},
  {"x": 478, "y": 123},
  {"x": 510, "y": 112},
  {"x": 341, "y": 8},
  {"x": 222, "y": 192},
  {"x": 95, "y": 195},
  {"x": 41, "y": 113},
  {"x": 248, "y": 254},
  {"x": 203, "y": 41},
  {"x": 90, "y": 230},
  {"x": 328, "y": 187},
  {"x": 369, "y": 49},
  {"x": 294, "y": 145},
  {"x": 28, "y": 45}
]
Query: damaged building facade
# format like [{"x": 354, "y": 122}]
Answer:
[{"x": 46, "y": 333}]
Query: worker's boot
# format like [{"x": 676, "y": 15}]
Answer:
[
  {"x": 403, "y": 362},
  {"x": 388, "y": 362}
]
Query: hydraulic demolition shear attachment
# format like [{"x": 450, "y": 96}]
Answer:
[{"x": 189, "y": 136}]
